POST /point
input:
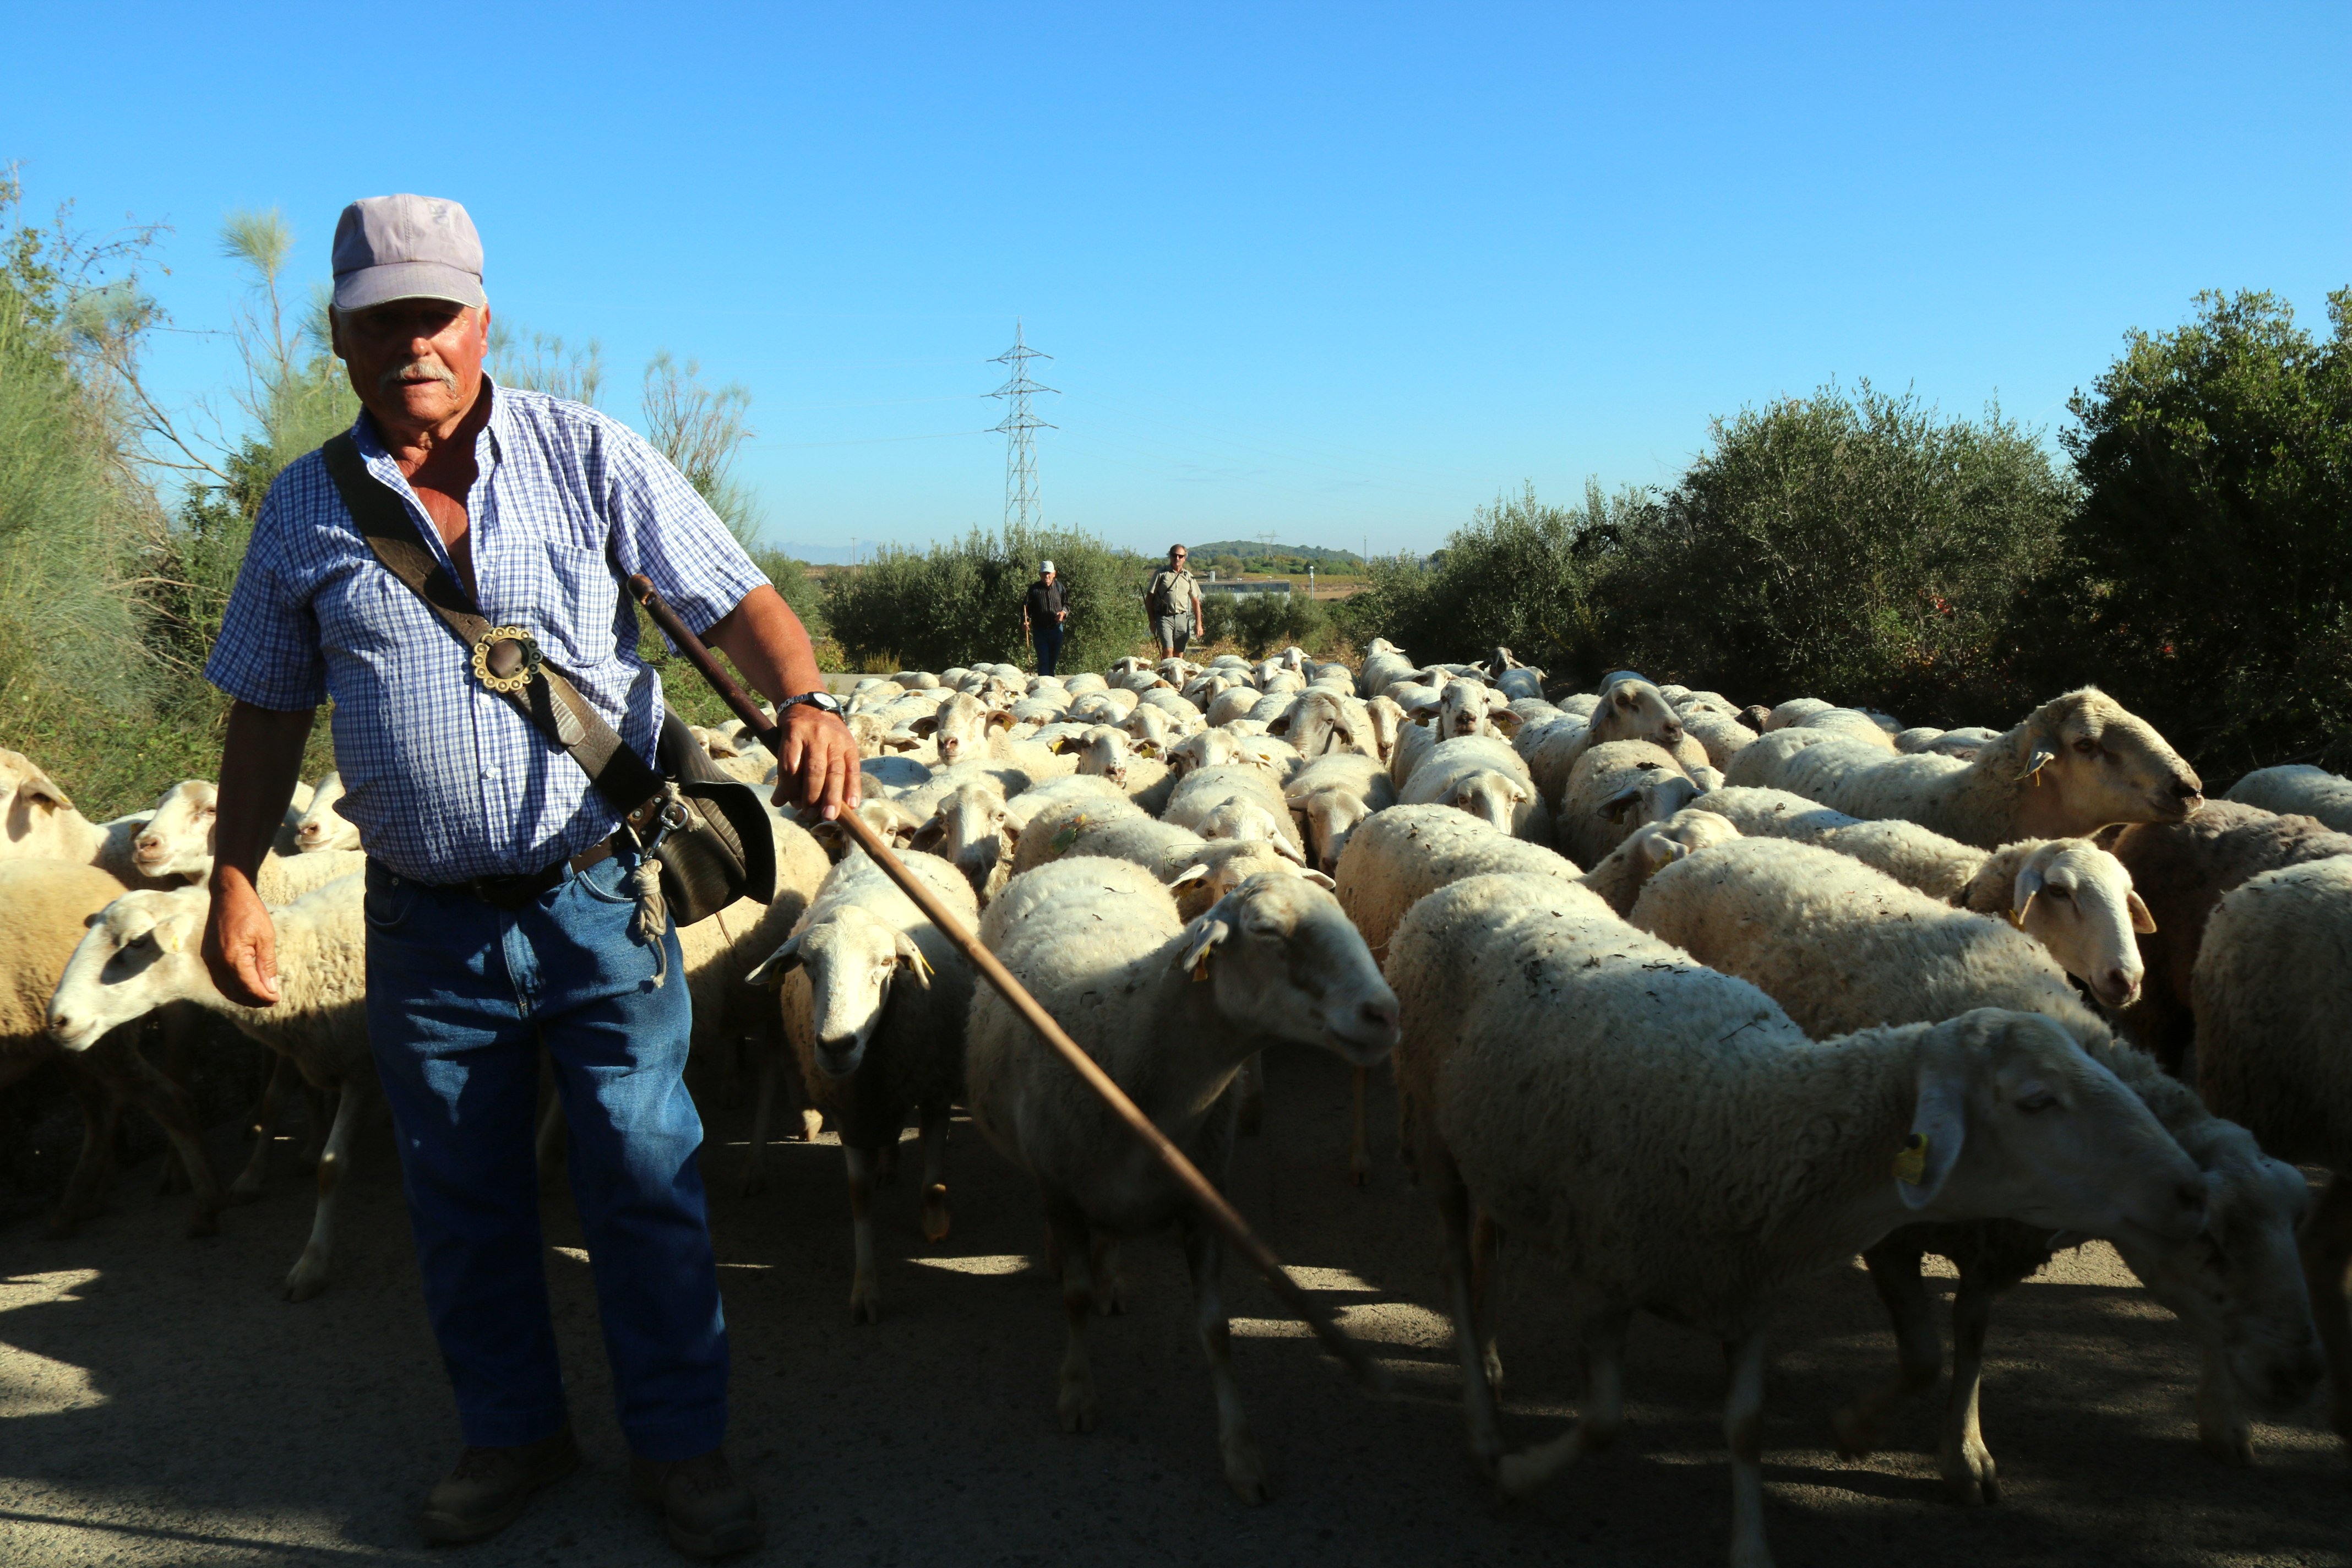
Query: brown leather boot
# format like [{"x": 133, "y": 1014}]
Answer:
[
  {"x": 708, "y": 1511},
  {"x": 491, "y": 1487}
]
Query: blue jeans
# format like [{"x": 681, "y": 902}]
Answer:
[
  {"x": 1049, "y": 646},
  {"x": 461, "y": 996}
]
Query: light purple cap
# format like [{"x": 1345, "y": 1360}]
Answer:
[{"x": 406, "y": 247}]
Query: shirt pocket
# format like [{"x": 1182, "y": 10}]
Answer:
[{"x": 574, "y": 606}]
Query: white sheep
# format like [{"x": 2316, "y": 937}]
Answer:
[
  {"x": 1840, "y": 947},
  {"x": 37, "y": 821},
  {"x": 2271, "y": 990},
  {"x": 1481, "y": 775},
  {"x": 2300, "y": 789},
  {"x": 873, "y": 1001},
  {"x": 2074, "y": 765},
  {"x": 1384, "y": 665},
  {"x": 1236, "y": 801},
  {"x": 1171, "y": 1011},
  {"x": 45, "y": 907},
  {"x": 319, "y": 1021},
  {"x": 1687, "y": 1149},
  {"x": 1332, "y": 796},
  {"x": 1198, "y": 871},
  {"x": 322, "y": 826},
  {"x": 1593, "y": 816}
]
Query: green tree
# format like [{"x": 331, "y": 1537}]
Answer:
[
  {"x": 2210, "y": 582},
  {"x": 959, "y": 603},
  {"x": 1853, "y": 546}
]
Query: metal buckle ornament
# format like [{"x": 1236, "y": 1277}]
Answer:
[{"x": 505, "y": 659}]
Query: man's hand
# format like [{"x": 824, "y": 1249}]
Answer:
[
  {"x": 241, "y": 942},
  {"x": 818, "y": 766}
]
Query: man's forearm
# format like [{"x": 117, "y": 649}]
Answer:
[
  {"x": 261, "y": 759},
  {"x": 768, "y": 644}
]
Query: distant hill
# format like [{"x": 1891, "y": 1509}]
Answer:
[{"x": 1253, "y": 550}]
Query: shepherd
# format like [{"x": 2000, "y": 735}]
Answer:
[
  {"x": 1173, "y": 603},
  {"x": 505, "y": 916},
  {"x": 1045, "y": 615}
]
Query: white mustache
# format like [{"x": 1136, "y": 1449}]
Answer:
[{"x": 425, "y": 367}]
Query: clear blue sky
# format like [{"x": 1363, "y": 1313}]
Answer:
[{"x": 1333, "y": 273}]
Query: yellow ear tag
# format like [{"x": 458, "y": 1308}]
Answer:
[
  {"x": 1911, "y": 1164},
  {"x": 171, "y": 940},
  {"x": 1201, "y": 965}
]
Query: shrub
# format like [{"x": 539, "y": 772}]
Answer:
[
  {"x": 1265, "y": 623},
  {"x": 960, "y": 604}
]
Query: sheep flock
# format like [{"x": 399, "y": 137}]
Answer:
[{"x": 1702, "y": 999}]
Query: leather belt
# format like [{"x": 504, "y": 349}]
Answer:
[{"x": 514, "y": 892}]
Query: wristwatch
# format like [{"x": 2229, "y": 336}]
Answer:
[{"x": 822, "y": 701}]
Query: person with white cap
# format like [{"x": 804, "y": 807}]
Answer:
[
  {"x": 1045, "y": 615},
  {"x": 500, "y": 913}
]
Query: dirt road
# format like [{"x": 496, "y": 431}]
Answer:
[{"x": 163, "y": 1406}]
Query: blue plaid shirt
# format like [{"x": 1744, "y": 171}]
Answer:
[{"x": 445, "y": 781}]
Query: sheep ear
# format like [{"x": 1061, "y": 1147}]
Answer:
[
  {"x": 1939, "y": 1126},
  {"x": 997, "y": 719},
  {"x": 41, "y": 787},
  {"x": 1659, "y": 851},
  {"x": 770, "y": 972},
  {"x": 2043, "y": 754},
  {"x": 2028, "y": 884},
  {"x": 1286, "y": 850},
  {"x": 1206, "y": 933},
  {"x": 1280, "y": 726},
  {"x": 2142, "y": 922},
  {"x": 1320, "y": 880},
  {"x": 1062, "y": 746},
  {"x": 1506, "y": 720},
  {"x": 1191, "y": 873},
  {"x": 1145, "y": 748},
  {"x": 1615, "y": 807},
  {"x": 928, "y": 837},
  {"x": 911, "y": 959}
]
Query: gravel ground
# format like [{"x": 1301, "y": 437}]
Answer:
[{"x": 163, "y": 1407}]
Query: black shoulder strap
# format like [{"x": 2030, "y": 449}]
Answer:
[{"x": 547, "y": 698}]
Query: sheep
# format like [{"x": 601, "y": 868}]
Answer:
[
  {"x": 319, "y": 1021},
  {"x": 1628, "y": 709},
  {"x": 2072, "y": 766},
  {"x": 960, "y": 727},
  {"x": 971, "y": 828},
  {"x": 1721, "y": 736},
  {"x": 38, "y": 822},
  {"x": 1481, "y": 775},
  {"x": 1841, "y": 947},
  {"x": 1171, "y": 1011},
  {"x": 1332, "y": 796},
  {"x": 873, "y": 999},
  {"x": 2270, "y": 990},
  {"x": 1520, "y": 681},
  {"x": 45, "y": 907},
  {"x": 1090, "y": 791},
  {"x": 1324, "y": 721},
  {"x": 1200, "y": 870},
  {"x": 1788, "y": 713},
  {"x": 1852, "y": 723},
  {"x": 917, "y": 680},
  {"x": 1468, "y": 708},
  {"x": 2182, "y": 870},
  {"x": 1383, "y": 665},
  {"x": 322, "y": 826},
  {"x": 1607, "y": 1103},
  {"x": 2302, "y": 790},
  {"x": 1407, "y": 852},
  {"x": 1589, "y": 821},
  {"x": 1234, "y": 802},
  {"x": 2089, "y": 919}
]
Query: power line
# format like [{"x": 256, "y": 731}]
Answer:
[{"x": 1020, "y": 427}]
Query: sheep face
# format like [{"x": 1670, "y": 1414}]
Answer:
[
  {"x": 1491, "y": 797},
  {"x": 1633, "y": 709},
  {"x": 1102, "y": 751},
  {"x": 1286, "y": 964},
  {"x": 1461, "y": 710},
  {"x": 972, "y": 829},
  {"x": 1330, "y": 817},
  {"x": 2076, "y": 900},
  {"x": 2013, "y": 1118},
  {"x": 31, "y": 799},
  {"x": 1247, "y": 821},
  {"x": 2101, "y": 763},
  {"x": 2241, "y": 1285},
  {"x": 1320, "y": 724},
  {"x": 178, "y": 839},
  {"x": 962, "y": 727},
  {"x": 850, "y": 961},
  {"x": 142, "y": 951},
  {"x": 322, "y": 827}
]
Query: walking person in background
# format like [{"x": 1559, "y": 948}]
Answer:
[
  {"x": 1045, "y": 615},
  {"x": 1173, "y": 603},
  {"x": 501, "y": 919}
]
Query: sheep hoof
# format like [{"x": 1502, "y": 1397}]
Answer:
[
  {"x": 1857, "y": 1433},
  {"x": 305, "y": 1281},
  {"x": 242, "y": 1190},
  {"x": 1970, "y": 1479},
  {"x": 751, "y": 1184},
  {"x": 1245, "y": 1472},
  {"x": 934, "y": 1211},
  {"x": 811, "y": 1123},
  {"x": 864, "y": 1302},
  {"x": 1360, "y": 1171},
  {"x": 1077, "y": 1408},
  {"x": 1492, "y": 1362}
]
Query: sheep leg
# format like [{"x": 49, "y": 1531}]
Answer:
[
  {"x": 865, "y": 1285},
  {"x": 1110, "y": 1279},
  {"x": 935, "y": 1172},
  {"x": 1968, "y": 1466},
  {"x": 1204, "y": 1256},
  {"x": 1075, "y": 1402},
  {"x": 1743, "y": 1429},
  {"x": 101, "y": 1113},
  {"x": 262, "y": 1126},
  {"x": 885, "y": 1159},
  {"x": 174, "y": 1021},
  {"x": 2223, "y": 1429},
  {"x": 1484, "y": 1279},
  {"x": 1455, "y": 1263},
  {"x": 1360, "y": 1154},
  {"x": 2327, "y": 1252},
  {"x": 1918, "y": 1348},
  {"x": 1249, "y": 1095},
  {"x": 321, "y": 1108},
  {"x": 754, "y": 1178},
  {"x": 1597, "y": 1423},
  {"x": 162, "y": 1098},
  {"x": 309, "y": 1274}
]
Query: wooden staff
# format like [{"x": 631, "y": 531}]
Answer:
[{"x": 1188, "y": 1175}]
